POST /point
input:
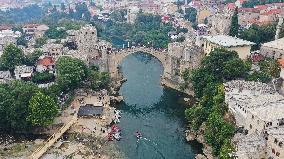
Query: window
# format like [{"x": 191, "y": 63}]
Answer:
[
  {"x": 275, "y": 141},
  {"x": 252, "y": 116},
  {"x": 250, "y": 126},
  {"x": 273, "y": 151}
]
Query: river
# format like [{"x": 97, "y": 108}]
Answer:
[{"x": 152, "y": 110}]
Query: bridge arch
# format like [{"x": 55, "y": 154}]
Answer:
[{"x": 118, "y": 56}]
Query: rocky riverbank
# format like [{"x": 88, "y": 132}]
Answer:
[
  {"x": 176, "y": 86},
  {"x": 198, "y": 135}
]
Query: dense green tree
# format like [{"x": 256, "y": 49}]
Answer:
[
  {"x": 196, "y": 116},
  {"x": 42, "y": 110},
  {"x": 53, "y": 91},
  {"x": 270, "y": 66},
  {"x": 31, "y": 59},
  {"x": 70, "y": 24},
  {"x": 234, "y": 29},
  {"x": 39, "y": 42},
  {"x": 118, "y": 15},
  {"x": 19, "y": 95},
  {"x": 70, "y": 72},
  {"x": 259, "y": 76},
  {"x": 99, "y": 80},
  {"x": 226, "y": 149},
  {"x": 259, "y": 34},
  {"x": 6, "y": 101},
  {"x": 21, "y": 15},
  {"x": 11, "y": 57},
  {"x": 216, "y": 62},
  {"x": 42, "y": 77},
  {"x": 190, "y": 14},
  {"x": 22, "y": 41},
  {"x": 200, "y": 79},
  {"x": 235, "y": 68},
  {"x": 147, "y": 30},
  {"x": 217, "y": 131},
  {"x": 81, "y": 11},
  {"x": 55, "y": 33},
  {"x": 18, "y": 28}
]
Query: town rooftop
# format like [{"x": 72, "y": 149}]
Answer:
[{"x": 227, "y": 41}]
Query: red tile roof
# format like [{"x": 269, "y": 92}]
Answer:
[
  {"x": 231, "y": 6},
  {"x": 273, "y": 11},
  {"x": 261, "y": 7},
  {"x": 281, "y": 62},
  {"x": 241, "y": 1},
  {"x": 46, "y": 61},
  {"x": 248, "y": 10},
  {"x": 31, "y": 25}
]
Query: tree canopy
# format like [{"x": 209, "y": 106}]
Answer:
[
  {"x": 221, "y": 65},
  {"x": 70, "y": 72},
  {"x": 259, "y": 34},
  {"x": 15, "y": 105},
  {"x": 11, "y": 57},
  {"x": 234, "y": 29},
  {"x": 147, "y": 30},
  {"x": 190, "y": 14},
  {"x": 42, "y": 110}
]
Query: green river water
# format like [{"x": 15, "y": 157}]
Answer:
[{"x": 152, "y": 110}]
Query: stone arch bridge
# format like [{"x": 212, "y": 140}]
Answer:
[{"x": 117, "y": 57}]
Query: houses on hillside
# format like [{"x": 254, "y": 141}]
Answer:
[{"x": 35, "y": 30}]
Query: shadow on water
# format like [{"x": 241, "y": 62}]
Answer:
[{"x": 152, "y": 110}]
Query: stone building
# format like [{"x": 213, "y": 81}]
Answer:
[
  {"x": 259, "y": 110},
  {"x": 35, "y": 30},
  {"x": 94, "y": 51},
  {"x": 132, "y": 14},
  {"x": 5, "y": 76},
  {"x": 53, "y": 50},
  {"x": 24, "y": 72},
  {"x": 8, "y": 37},
  {"x": 46, "y": 63},
  {"x": 242, "y": 47},
  {"x": 219, "y": 23},
  {"x": 182, "y": 56},
  {"x": 273, "y": 49}
]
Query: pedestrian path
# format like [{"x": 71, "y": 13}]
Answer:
[{"x": 52, "y": 139}]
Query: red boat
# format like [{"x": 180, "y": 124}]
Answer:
[{"x": 110, "y": 137}]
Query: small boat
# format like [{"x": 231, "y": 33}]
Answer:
[
  {"x": 116, "y": 120},
  {"x": 117, "y": 136},
  {"x": 110, "y": 137},
  {"x": 138, "y": 135},
  {"x": 115, "y": 129}
]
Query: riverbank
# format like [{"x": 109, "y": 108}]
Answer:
[
  {"x": 176, "y": 86},
  {"x": 88, "y": 137},
  {"x": 198, "y": 136}
]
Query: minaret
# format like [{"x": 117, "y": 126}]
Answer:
[{"x": 279, "y": 27}]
